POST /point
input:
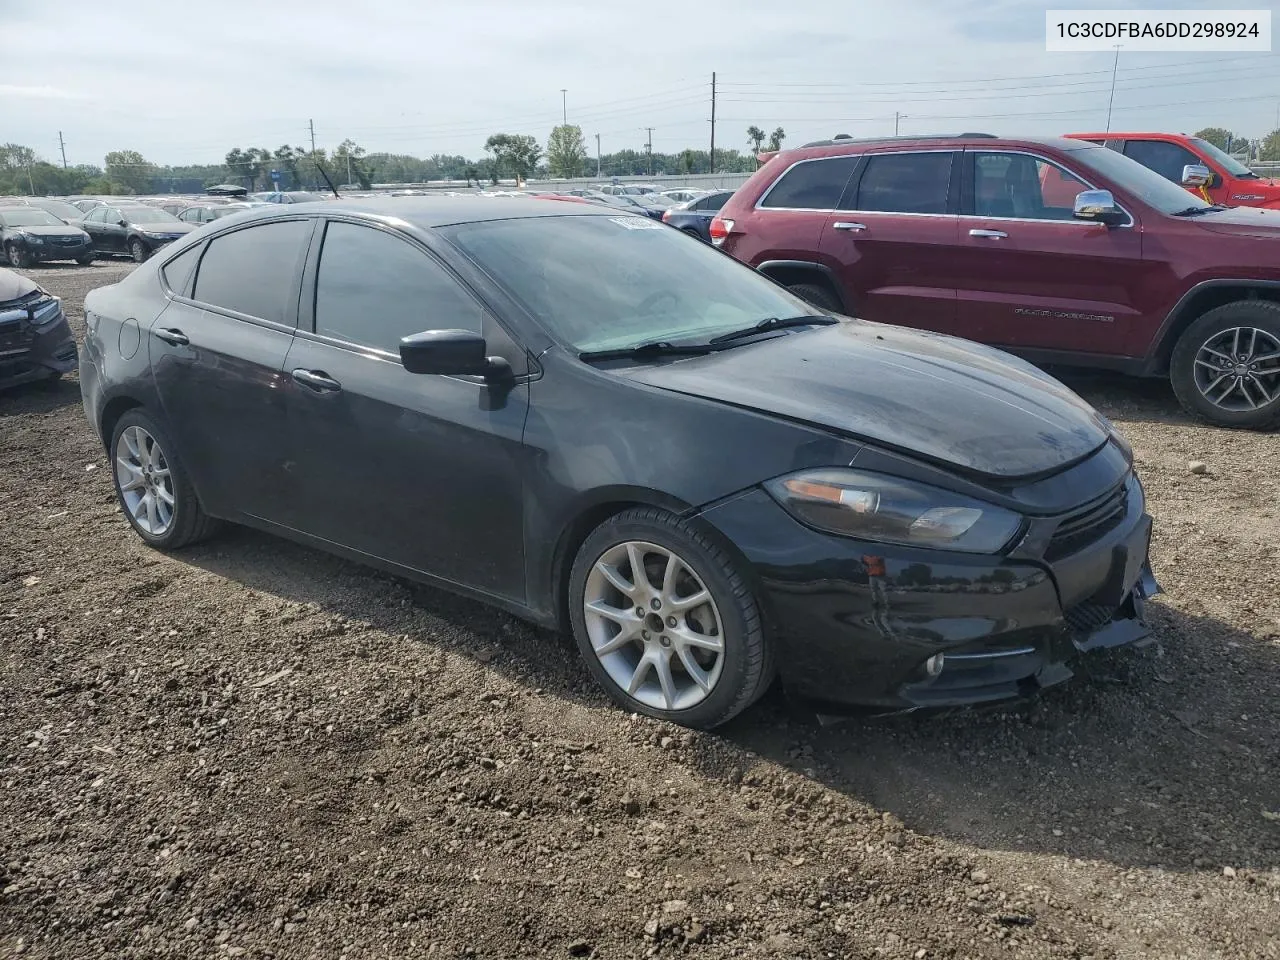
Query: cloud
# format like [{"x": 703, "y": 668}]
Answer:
[{"x": 39, "y": 93}]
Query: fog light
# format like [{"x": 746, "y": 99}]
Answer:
[{"x": 933, "y": 666}]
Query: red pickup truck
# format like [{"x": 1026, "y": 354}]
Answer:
[
  {"x": 1231, "y": 183},
  {"x": 1055, "y": 249}
]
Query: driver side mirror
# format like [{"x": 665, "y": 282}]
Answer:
[
  {"x": 1099, "y": 206},
  {"x": 451, "y": 352},
  {"x": 1196, "y": 175},
  {"x": 122, "y": 222}
]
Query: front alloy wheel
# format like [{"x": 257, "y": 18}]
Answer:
[
  {"x": 1225, "y": 367},
  {"x": 666, "y": 622},
  {"x": 138, "y": 250}
]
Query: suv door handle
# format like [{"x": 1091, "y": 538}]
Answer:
[
  {"x": 175, "y": 337},
  {"x": 846, "y": 225},
  {"x": 992, "y": 234},
  {"x": 317, "y": 380}
]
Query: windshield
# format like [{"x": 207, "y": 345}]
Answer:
[
  {"x": 300, "y": 196},
  {"x": 59, "y": 208},
  {"x": 1143, "y": 182},
  {"x": 147, "y": 215},
  {"x": 1224, "y": 159},
  {"x": 29, "y": 218},
  {"x": 602, "y": 282}
]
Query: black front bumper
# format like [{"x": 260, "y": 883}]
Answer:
[
  {"x": 31, "y": 352},
  {"x": 869, "y": 625},
  {"x": 60, "y": 251}
]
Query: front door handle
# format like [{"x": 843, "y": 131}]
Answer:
[
  {"x": 175, "y": 337},
  {"x": 846, "y": 225},
  {"x": 317, "y": 380},
  {"x": 990, "y": 234}
]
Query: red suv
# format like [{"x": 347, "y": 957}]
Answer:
[
  {"x": 1055, "y": 249},
  {"x": 1231, "y": 183}
]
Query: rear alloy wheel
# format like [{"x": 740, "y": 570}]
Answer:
[
  {"x": 155, "y": 495},
  {"x": 816, "y": 294},
  {"x": 665, "y": 622},
  {"x": 138, "y": 250},
  {"x": 1225, "y": 367},
  {"x": 17, "y": 256}
]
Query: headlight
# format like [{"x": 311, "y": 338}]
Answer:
[
  {"x": 32, "y": 239},
  {"x": 873, "y": 506},
  {"x": 46, "y": 311},
  {"x": 1117, "y": 437}
]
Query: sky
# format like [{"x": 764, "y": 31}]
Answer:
[{"x": 184, "y": 81}]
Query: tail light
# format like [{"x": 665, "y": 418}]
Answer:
[
  {"x": 719, "y": 230},
  {"x": 666, "y": 216}
]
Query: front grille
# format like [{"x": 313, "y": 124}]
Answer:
[
  {"x": 66, "y": 241},
  {"x": 1086, "y": 525},
  {"x": 1088, "y": 617}
]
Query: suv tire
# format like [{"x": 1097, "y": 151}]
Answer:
[
  {"x": 723, "y": 635},
  {"x": 816, "y": 294},
  {"x": 1231, "y": 337}
]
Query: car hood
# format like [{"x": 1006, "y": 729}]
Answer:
[
  {"x": 1242, "y": 221},
  {"x": 62, "y": 230},
  {"x": 972, "y": 408},
  {"x": 166, "y": 229},
  {"x": 14, "y": 285}
]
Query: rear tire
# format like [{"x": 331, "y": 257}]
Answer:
[
  {"x": 717, "y": 658},
  {"x": 817, "y": 295},
  {"x": 143, "y": 462},
  {"x": 17, "y": 256},
  {"x": 138, "y": 251},
  {"x": 1220, "y": 352}
]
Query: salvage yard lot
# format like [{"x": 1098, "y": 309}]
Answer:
[{"x": 253, "y": 749}]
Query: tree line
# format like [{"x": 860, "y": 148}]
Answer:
[{"x": 506, "y": 155}]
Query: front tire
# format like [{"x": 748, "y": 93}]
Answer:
[
  {"x": 17, "y": 256},
  {"x": 665, "y": 621},
  {"x": 138, "y": 251},
  {"x": 85, "y": 261},
  {"x": 155, "y": 494},
  {"x": 1225, "y": 367}
]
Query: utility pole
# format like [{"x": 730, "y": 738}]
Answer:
[
  {"x": 896, "y": 117},
  {"x": 311, "y": 124},
  {"x": 1114, "y": 64},
  {"x": 564, "y": 106},
  {"x": 597, "y": 156},
  {"x": 713, "y": 121},
  {"x": 62, "y": 146},
  {"x": 348, "y": 168},
  {"x": 30, "y": 182},
  {"x": 649, "y": 149}
]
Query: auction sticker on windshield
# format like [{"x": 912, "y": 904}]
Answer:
[
  {"x": 1200, "y": 31},
  {"x": 636, "y": 223}
]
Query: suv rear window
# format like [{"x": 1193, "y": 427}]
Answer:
[
  {"x": 905, "y": 183},
  {"x": 811, "y": 184}
]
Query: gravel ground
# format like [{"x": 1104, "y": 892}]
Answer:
[{"x": 253, "y": 749}]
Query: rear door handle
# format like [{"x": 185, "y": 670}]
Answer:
[
  {"x": 846, "y": 225},
  {"x": 991, "y": 234},
  {"x": 175, "y": 337},
  {"x": 317, "y": 380}
]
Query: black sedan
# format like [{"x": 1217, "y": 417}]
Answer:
[
  {"x": 574, "y": 414},
  {"x": 135, "y": 229},
  {"x": 36, "y": 344},
  {"x": 30, "y": 235},
  {"x": 694, "y": 216},
  {"x": 61, "y": 209}
]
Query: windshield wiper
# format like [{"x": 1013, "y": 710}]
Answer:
[
  {"x": 774, "y": 323},
  {"x": 1197, "y": 211},
  {"x": 650, "y": 348}
]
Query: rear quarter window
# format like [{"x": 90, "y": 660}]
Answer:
[{"x": 811, "y": 184}]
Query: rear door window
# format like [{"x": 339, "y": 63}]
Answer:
[
  {"x": 253, "y": 271},
  {"x": 905, "y": 183},
  {"x": 1166, "y": 159},
  {"x": 811, "y": 184}
]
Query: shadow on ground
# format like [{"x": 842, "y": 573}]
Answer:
[{"x": 1160, "y": 756}]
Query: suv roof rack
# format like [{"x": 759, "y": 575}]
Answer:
[{"x": 841, "y": 138}]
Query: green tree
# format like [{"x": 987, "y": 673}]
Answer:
[
  {"x": 1220, "y": 137},
  {"x": 776, "y": 138},
  {"x": 687, "y": 159},
  {"x": 515, "y": 153},
  {"x": 286, "y": 160},
  {"x": 349, "y": 160},
  {"x": 566, "y": 151},
  {"x": 1270, "y": 149},
  {"x": 128, "y": 172},
  {"x": 755, "y": 137}
]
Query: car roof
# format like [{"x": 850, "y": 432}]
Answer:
[
  {"x": 1145, "y": 135},
  {"x": 429, "y": 212},
  {"x": 986, "y": 141}
]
